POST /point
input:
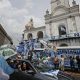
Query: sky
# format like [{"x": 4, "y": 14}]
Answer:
[{"x": 15, "y": 14}]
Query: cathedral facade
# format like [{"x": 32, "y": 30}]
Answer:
[{"x": 62, "y": 25}]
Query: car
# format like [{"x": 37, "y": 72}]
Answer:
[
  {"x": 50, "y": 71},
  {"x": 7, "y": 51},
  {"x": 31, "y": 73}
]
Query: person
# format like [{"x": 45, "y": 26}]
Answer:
[
  {"x": 71, "y": 63},
  {"x": 30, "y": 54},
  {"x": 24, "y": 67},
  {"x": 19, "y": 67},
  {"x": 45, "y": 52},
  {"x": 51, "y": 52},
  {"x": 34, "y": 56},
  {"x": 62, "y": 63},
  {"x": 75, "y": 62},
  {"x": 55, "y": 50},
  {"x": 78, "y": 62},
  {"x": 49, "y": 58},
  {"x": 11, "y": 62},
  {"x": 18, "y": 57},
  {"x": 56, "y": 62}
]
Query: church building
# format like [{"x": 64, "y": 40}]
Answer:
[{"x": 62, "y": 25}]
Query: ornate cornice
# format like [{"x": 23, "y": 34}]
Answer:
[
  {"x": 33, "y": 29},
  {"x": 60, "y": 17},
  {"x": 72, "y": 11},
  {"x": 61, "y": 6}
]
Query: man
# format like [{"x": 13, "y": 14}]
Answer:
[
  {"x": 78, "y": 62},
  {"x": 55, "y": 50}
]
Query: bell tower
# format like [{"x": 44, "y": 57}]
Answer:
[{"x": 56, "y": 3}]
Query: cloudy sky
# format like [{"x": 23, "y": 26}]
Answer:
[{"x": 14, "y": 15}]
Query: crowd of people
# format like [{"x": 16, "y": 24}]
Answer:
[
  {"x": 74, "y": 62},
  {"x": 62, "y": 61},
  {"x": 58, "y": 61},
  {"x": 17, "y": 64}
]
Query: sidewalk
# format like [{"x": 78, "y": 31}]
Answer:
[{"x": 75, "y": 75}]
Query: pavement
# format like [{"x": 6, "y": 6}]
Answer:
[{"x": 74, "y": 75}]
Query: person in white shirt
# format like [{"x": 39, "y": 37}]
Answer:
[{"x": 62, "y": 63}]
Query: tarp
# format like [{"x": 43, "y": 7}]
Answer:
[
  {"x": 52, "y": 73},
  {"x": 3, "y": 76},
  {"x": 5, "y": 67}
]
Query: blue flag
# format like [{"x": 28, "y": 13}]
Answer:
[{"x": 4, "y": 65}]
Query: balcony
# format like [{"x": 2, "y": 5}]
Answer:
[{"x": 67, "y": 36}]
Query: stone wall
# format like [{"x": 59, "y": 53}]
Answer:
[{"x": 67, "y": 42}]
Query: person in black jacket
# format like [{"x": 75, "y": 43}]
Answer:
[
  {"x": 78, "y": 62},
  {"x": 30, "y": 54},
  {"x": 72, "y": 63}
]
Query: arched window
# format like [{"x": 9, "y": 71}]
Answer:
[
  {"x": 29, "y": 36},
  {"x": 40, "y": 34},
  {"x": 64, "y": 44},
  {"x": 62, "y": 30}
]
